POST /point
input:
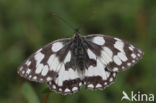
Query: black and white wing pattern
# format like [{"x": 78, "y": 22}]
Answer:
[
  {"x": 67, "y": 64},
  {"x": 48, "y": 65},
  {"x": 112, "y": 55},
  {"x": 67, "y": 82},
  {"x": 44, "y": 65},
  {"x": 101, "y": 77},
  {"x": 116, "y": 54}
]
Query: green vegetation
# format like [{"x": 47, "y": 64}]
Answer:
[{"x": 26, "y": 25}]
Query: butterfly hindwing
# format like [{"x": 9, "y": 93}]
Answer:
[
  {"x": 43, "y": 65},
  {"x": 96, "y": 76},
  {"x": 67, "y": 82},
  {"x": 116, "y": 54},
  {"x": 97, "y": 82}
]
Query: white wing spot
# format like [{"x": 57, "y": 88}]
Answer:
[
  {"x": 60, "y": 89},
  {"x": 105, "y": 58},
  {"x": 111, "y": 79},
  {"x": 51, "y": 59},
  {"x": 130, "y": 48},
  {"x": 39, "y": 68},
  {"x": 54, "y": 87},
  {"x": 133, "y": 55},
  {"x": 115, "y": 69},
  {"x": 98, "y": 85},
  {"x": 84, "y": 83},
  {"x": 122, "y": 56},
  {"x": 133, "y": 61},
  {"x": 38, "y": 57},
  {"x": 49, "y": 78},
  {"x": 57, "y": 46},
  {"x": 107, "y": 74},
  {"x": 119, "y": 45},
  {"x": 55, "y": 65},
  {"x": 74, "y": 88},
  {"x": 35, "y": 77},
  {"x": 99, "y": 40},
  {"x": 129, "y": 64},
  {"x": 28, "y": 63},
  {"x": 114, "y": 74},
  {"x": 28, "y": 71},
  {"x": 23, "y": 72},
  {"x": 68, "y": 57},
  {"x": 138, "y": 55},
  {"x": 41, "y": 79},
  {"x": 117, "y": 60},
  {"x": 80, "y": 84},
  {"x": 30, "y": 76},
  {"x": 91, "y": 54},
  {"x": 140, "y": 51},
  {"x": 105, "y": 83},
  {"x": 21, "y": 69},
  {"x": 90, "y": 86},
  {"x": 45, "y": 70},
  {"x": 67, "y": 90},
  {"x": 108, "y": 51}
]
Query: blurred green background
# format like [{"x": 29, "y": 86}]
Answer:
[{"x": 26, "y": 25}]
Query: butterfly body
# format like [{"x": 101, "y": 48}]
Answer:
[
  {"x": 92, "y": 60},
  {"x": 79, "y": 53}
]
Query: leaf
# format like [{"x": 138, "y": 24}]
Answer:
[
  {"x": 29, "y": 93},
  {"x": 46, "y": 90}
]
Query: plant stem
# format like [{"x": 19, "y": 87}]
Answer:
[{"x": 46, "y": 98}]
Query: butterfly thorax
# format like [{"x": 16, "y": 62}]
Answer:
[
  {"x": 79, "y": 56},
  {"x": 78, "y": 51}
]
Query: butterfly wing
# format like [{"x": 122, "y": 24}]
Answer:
[
  {"x": 48, "y": 65},
  {"x": 67, "y": 82},
  {"x": 44, "y": 65},
  {"x": 112, "y": 55},
  {"x": 116, "y": 54},
  {"x": 98, "y": 77}
]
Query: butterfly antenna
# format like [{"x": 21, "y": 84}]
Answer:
[
  {"x": 60, "y": 18},
  {"x": 86, "y": 20}
]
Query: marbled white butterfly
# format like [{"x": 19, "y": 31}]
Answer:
[{"x": 93, "y": 61}]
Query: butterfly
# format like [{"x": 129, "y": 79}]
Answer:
[{"x": 67, "y": 64}]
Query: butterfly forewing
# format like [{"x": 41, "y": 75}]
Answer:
[
  {"x": 44, "y": 65},
  {"x": 116, "y": 54}
]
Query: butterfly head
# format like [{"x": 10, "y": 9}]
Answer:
[{"x": 76, "y": 32}]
